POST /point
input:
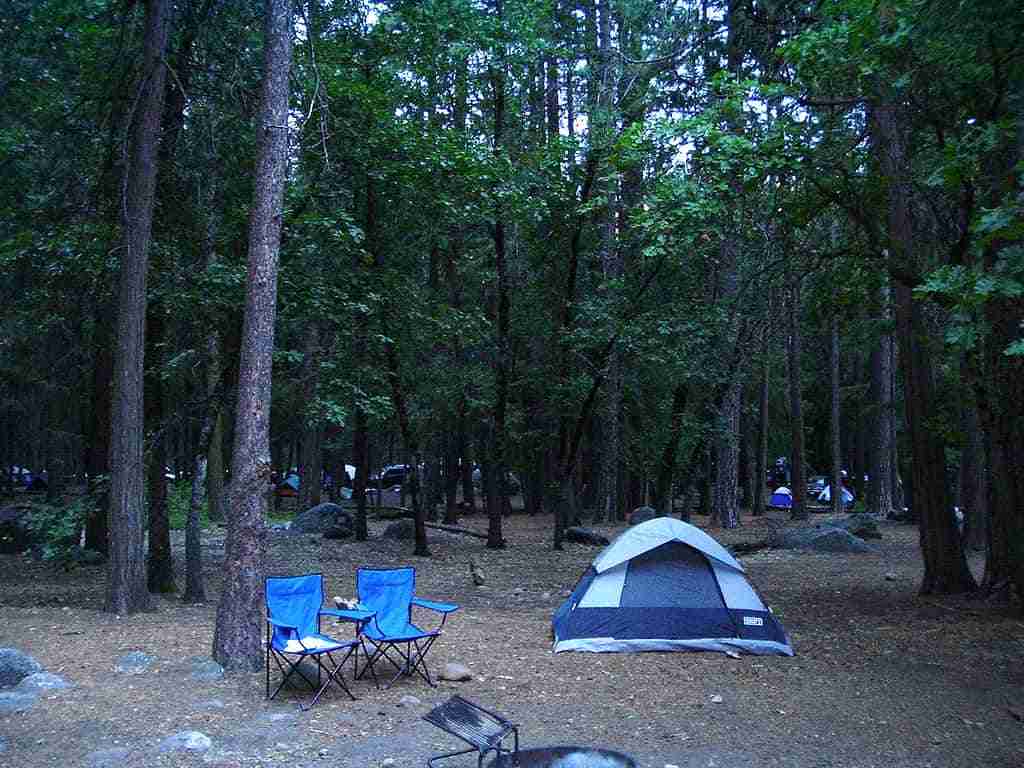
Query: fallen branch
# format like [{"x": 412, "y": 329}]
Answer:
[{"x": 456, "y": 529}]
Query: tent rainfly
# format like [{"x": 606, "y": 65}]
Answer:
[
  {"x": 664, "y": 585},
  {"x": 782, "y": 498}
]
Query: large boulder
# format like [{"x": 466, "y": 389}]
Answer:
[
  {"x": 642, "y": 515},
  {"x": 321, "y": 518},
  {"x": 820, "y": 539},
  {"x": 577, "y": 535},
  {"x": 403, "y": 530},
  {"x": 860, "y": 524},
  {"x": 14, "y": 533},
  {"x": 15, "y": 666}
]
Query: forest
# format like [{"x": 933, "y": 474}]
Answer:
[{"x": 601, "y": 253}]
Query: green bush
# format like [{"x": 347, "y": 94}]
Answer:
[
  {"x": 57, "y": 530},
  {"x": 179, "y": 498}
]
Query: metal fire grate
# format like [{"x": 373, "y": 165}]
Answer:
[{"x": 476, "y": 726}]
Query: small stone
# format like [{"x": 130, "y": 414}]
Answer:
[
  {"x": 716, "y": 699},
  {"x": 15, "y": 665},
  {"x": 43, "y": 681},
  {"x": 186, "y": 741},
  {"x": 206, "y": 669},
  {"x": 890, "y": 576},
  {"x": 545, "y": 596},
  {"x": 212, "y": 704},
  {"x": 387, "y": 762},
  {"x": 16, "y": 701},
  {"x": 455, "y": 672},
  {"x": 134, "y": 663},
  {"x": 107, "y": 758},
  {"x": 409, "y": 701}
]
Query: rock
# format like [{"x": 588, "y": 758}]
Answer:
[
  {"x": 186, "y": 741},
  {"x": 336, "y": 532},
  {"x": 642, "y": 515},
  {"x": 87, "y": 556},
  {"x": 16, "y": 701},
  {"x": 15, "y": 666},
  {"x": 545, "y": 596},
  {"x": 716, "y": 699},
  {"x": 838, "y": 540},
  {"x": 43, "y": 681},
  {"x": 409, "y": 701},
  {"x": 890, "y": 576},
  {"x": 206, "y": 669},
  {"x": 211, "y": 704},
  {"x": 14, "y": 534},
  {"x": 401, "y": 530},
  {"x": 321, "y": 518},
  {"x": 861, "y": 525},
  {"x": 107, "y": 758},
  {"x": 134, "y": 663},
  {"x": 455, "y": 672},
  {"x": 822, "y": 539},
  {"x": 576, "y": 535},
  {"x": 387, "y": 762},
  {"x": 476, "y": 573}
]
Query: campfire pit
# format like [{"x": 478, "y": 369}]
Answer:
[{"x": 564, "y": 757}]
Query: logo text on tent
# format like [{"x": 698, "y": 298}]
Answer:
[{"x": 753, "y": 621}]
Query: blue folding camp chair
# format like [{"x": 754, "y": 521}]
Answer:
[
  {"x": 391, "y": 635},
  {"x": 294, "y": 608}
]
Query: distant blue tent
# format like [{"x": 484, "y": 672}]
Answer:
[
  {"x": 289, "y": 486},
  {"x": 665, "y": 585},
  {"x": 782, "y": 498}
]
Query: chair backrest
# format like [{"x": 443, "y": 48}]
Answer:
[
  {"x": 296, "y": 601},
  {"x": 389, "y": 592}
]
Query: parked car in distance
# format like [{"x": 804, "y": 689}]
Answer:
[{"x": 816, "y": 485}]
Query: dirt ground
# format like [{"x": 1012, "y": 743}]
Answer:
[{"x": 882, "y": 677}]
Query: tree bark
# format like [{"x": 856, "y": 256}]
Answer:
[
  {"x": 126, "y": 571},
  {"x": 761, "y": 468},
  {"x": 238, "y": 631},
  {"x": 880, "y": 465},
  {"x": 160, "y": 563},
  {"x": 499, "y": 436},
  {"x": 796, "y": 413},
  {"x": 945, "y": 567},
  {"x": 836, "y": 489},
  {"x": 310, "y": 484}
]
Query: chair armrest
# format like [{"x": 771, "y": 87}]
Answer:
[
  {"x": 349, "y": 614},
  {"x": 435, "y": 606}
]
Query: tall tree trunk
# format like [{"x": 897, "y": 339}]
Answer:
[
  {"x": 796, "y": 412},
  {"x": 972, "y": 479},
  {"x": 237, "y": 634},
  {"x": 126, "y": 571},
  {"x": 880, "y": 466},
  {"x": 361, "y": 458},
  {"x": 310, "y": 485},
  {"x": 945, "y": 567},
  {"x": 97, "y": 461},
  {"x": 662, "y": 501},
  {"x": 761, "y": 468},
  {"x": 393, "y": 371},
  {"x": 499, "y": 435},
  {"x": 724, "y": 512},
  {"x": 160, "y": 563},
  {"x": 836, "y": 484}
]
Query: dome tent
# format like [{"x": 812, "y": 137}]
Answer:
[{"x": 665, "y": 585}]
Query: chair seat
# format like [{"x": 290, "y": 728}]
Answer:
[
  {"x": 312, "y": 644},
  {"x": 400, "y": 634}
]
